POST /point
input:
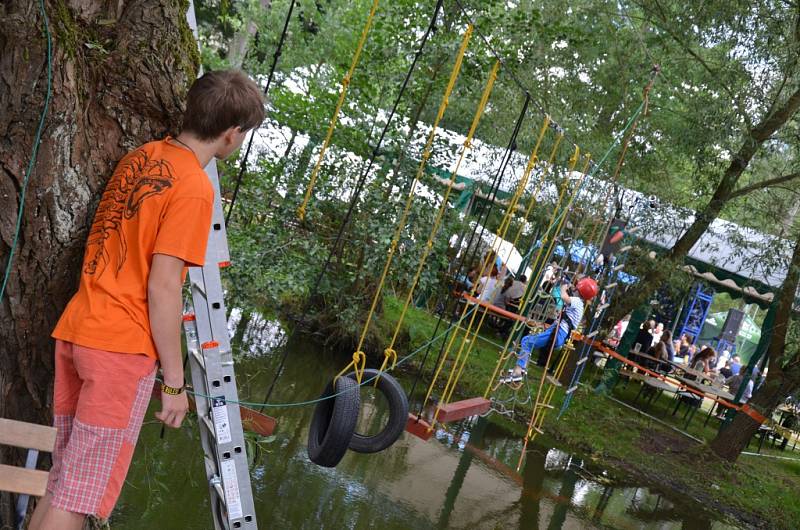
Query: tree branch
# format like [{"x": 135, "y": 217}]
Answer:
[{"x": 763, "y": 185}]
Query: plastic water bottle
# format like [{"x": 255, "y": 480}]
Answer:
[{"x": 462, "y": 442}]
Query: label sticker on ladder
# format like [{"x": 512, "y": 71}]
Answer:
[
  {"x": 221, "y": 424},
  {"x": 231, "y": 484}
]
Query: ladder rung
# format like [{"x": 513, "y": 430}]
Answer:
[
  {"x": 201, "y": 290},
  {"x": 603, "y": 306},
  {"x": 545, "y": 406},
  {"x": 207, "y": 422},
  {"x": 538, "y": 430},
  {"x": 572, "y": 389},
  {"x": 611, "y": 285},
  {"x": 592, "y": 334},
  {"x": 619, "y": 267},
  {"x": 581, "y": 360},
  {"x": 198, "y": 358}
]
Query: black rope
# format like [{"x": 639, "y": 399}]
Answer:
[
  {"x": 275, "y": 57},
  {"x": 357, "y": 191},
  {"x": 498, "y": 177}
]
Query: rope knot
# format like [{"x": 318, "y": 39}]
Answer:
[{"x": 390, "y": 353}]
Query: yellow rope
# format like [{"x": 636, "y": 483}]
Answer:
[
  {"x": 525, "y": 302},
  {"x": 540, "y": 408},
  {"x": 511, "y": 207},
  {"x": 358, "y": 363},
  {"x": 439, "y": 216},
  {"x": 301, "y": 211},
  {"x": 541, "y": 405},
  {"x": 461, "y": 361},
  {"x": 426, "y": 153}
]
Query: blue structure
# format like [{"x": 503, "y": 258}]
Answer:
[{"x": 696, "y": 312}]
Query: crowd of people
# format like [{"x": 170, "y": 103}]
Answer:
[{"x": 656, "y": 342}]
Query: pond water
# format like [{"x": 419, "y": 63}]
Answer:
[{"x": 463, "y": 478}]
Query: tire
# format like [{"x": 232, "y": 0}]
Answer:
[
  {"x": 334, "y": 423},
  {"x": 398, "y": 415}
]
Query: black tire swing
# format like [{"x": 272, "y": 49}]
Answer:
[
  {"x": 398, "y": 414},
  {"x": 333, "y": 426},
  {"x": 334, "y": 422}
]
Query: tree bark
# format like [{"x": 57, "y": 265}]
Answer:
[
  {"x": 119, "y": 78},
  {"x": 733, "y": 438},
  {"x": 784, "y": 374}
]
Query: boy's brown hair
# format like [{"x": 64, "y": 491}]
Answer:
[{"x": 220, "y": 100}]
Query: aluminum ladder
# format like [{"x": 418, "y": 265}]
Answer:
[{"x": 216, "y": 397}]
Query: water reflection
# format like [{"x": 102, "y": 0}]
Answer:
[{"x": 462, "y": 478}]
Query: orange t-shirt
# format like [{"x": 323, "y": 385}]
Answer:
[{"x": 158, "y": 201}]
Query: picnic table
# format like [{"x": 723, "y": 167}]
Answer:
[
  {"x": 714, "y": 392},
  {"x": 709, "y": 390},
  {"x": 691, "y": 371},
  {"x": 655, "y": 387}
]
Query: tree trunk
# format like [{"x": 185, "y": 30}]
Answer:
[
  {"x": 733, "y": 438},
  {"x": 752, "y": 142},
  {"x": 119, "y": 78},
  {"x": 784, "y": 374}
]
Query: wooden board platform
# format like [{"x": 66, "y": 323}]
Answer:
[
  {"x": 27, "y": 435},
  {"x": 458, "y": 410},
  {"x": 419, "y": 428},
  {"x": 23, "y": 481}
]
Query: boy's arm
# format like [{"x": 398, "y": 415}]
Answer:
[{"x": 164, "y": 306}]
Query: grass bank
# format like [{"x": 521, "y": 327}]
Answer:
[{"x": 756, "y": 491}]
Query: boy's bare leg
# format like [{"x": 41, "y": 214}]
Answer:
[
  {"x": 47, "y": 517},
  {"x": 42, "y": 505}
]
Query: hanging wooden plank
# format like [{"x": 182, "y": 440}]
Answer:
[
  {"x": 459, "y": 410},
  {"x": 419, "y": 427}
]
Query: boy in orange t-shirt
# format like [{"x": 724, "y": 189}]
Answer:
[{"x": 152, "y": 221}]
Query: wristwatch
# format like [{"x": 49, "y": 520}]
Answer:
[{"x": 170, "y": 390}]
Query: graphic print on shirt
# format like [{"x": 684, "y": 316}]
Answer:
[{"x": 133, "y": 182}]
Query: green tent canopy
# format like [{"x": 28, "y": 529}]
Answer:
[{"x": 746, "y": 340}]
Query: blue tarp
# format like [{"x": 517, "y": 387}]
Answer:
[{"x": 581, "y": 252}]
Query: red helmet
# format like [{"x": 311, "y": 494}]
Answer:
[{"x": 587, "y": 288}]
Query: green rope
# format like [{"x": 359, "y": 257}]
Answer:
[
  {"x": 318, "y": 400},
  {"x": 36, "y": 143}
]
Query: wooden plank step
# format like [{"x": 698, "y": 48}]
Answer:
[
  {"x": 27, "y": 435},
  {"x": 458, "y": 410},
  {"x": 418, "y": 427},
  {"x": 256, "y": 422},
  {"x": 23, "y": 481}
]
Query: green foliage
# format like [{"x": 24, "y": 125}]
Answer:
[{"x": 724, "y": 65}]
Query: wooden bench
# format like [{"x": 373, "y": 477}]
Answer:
[{"x": 25, "y": 481}]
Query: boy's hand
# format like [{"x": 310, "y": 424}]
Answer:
[{"x": 173, "y": 409}]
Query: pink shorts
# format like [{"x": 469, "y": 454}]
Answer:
[{"x": 99, "y": 403}]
